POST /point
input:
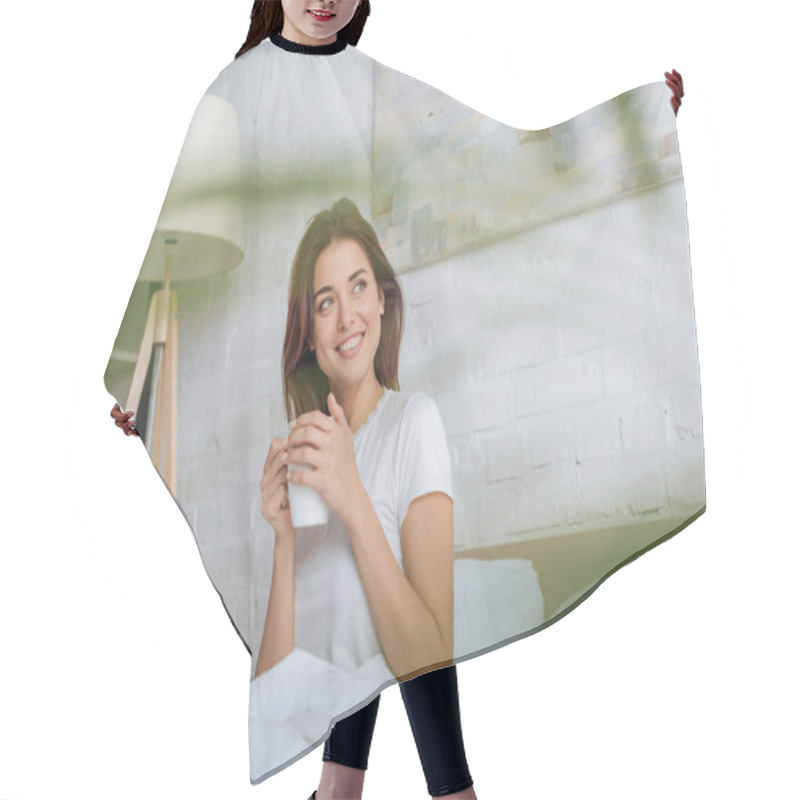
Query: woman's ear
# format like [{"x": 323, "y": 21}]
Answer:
[{"x": 381, "y": 300}]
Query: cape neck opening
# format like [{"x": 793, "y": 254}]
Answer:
[{"x": 308, "y": 49}]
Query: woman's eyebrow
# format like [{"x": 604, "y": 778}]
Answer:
[{"x": 330, "y": 288}]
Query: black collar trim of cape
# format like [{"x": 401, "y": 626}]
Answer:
[{"x": 308, "y": 49}]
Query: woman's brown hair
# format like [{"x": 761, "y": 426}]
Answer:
[
  {"x": 266, "y": 19},
  {"x": 305, "y": 385}
]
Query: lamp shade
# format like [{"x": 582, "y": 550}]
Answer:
[{"x": 201, "y": 217}]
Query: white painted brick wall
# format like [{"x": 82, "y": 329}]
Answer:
[
  {"x": 579, "y": 406},
  {"x": 550, "y": 438},
  {"x": 559, "y": 382},
  {"x": 595, "y": 430},
  {"x": 475, "y": 409},
  {"x": 505, "y": 456},
  {"x": 643, "y": 429},
  {"x": 685, "y": 474},
  {"x": 650, "y": 493},
  {"x": 686, "y": 417}
]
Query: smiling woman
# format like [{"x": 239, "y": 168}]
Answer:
[
  {"x": 372, "y": 594},
  {"x": 316, "y": 21},
  {"x": 306, "y": 22},
  {"x": 345, "y": 298}
]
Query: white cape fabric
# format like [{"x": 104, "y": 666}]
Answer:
[{"x": 548, "y": 368}]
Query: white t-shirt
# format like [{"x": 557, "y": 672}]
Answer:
[{"x": 401, "y": 452}]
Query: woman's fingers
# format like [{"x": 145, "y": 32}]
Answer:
[
  {"x": 275, "y": 500},
  {"x": 119, "y": 415},
  {"x": 316, "y": 419},
  {"x": 674, "y": 81},
  {"x": 303, "y": 478},
  {"x": 275, "y": 470},
  {"x": 275, "y": 487},
  {"x": 124, "y": 420},
  {"x": 306, "y": 455},
  {"x": 676, "y": 89},
  {"x": 271, "y": 482},
  {"x": 307, "y": 435},
  {"x": 276, "y": 447},
  {"x": 303, "y": 446}
]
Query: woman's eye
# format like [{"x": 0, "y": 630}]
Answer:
[{"x": 328, "y": 301}]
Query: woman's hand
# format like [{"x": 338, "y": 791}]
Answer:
[
  {"x": 326, "y": 444},
  {"x": 675, "y": 82},
  {"x": 274, "y": 495},
  {"x": 124, "y": 420}
]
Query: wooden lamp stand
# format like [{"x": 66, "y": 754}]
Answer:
[{"x": 160, "y": 344}]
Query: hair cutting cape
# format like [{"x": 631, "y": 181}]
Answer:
[{"x": 548, "y": 369}]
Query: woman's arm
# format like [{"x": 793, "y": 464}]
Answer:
[
  {"x": 277, "y": 640},
  {"x": 413, "y": 612}
]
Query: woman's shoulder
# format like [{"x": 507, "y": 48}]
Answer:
[
  {"x": 420, "y": 436},
  {"x": 415, "y": 409},
  {"x": 404, "y": 400}
]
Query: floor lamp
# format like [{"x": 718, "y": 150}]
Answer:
[{"x": 199, "y": 234}]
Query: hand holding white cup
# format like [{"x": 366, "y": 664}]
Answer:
[{"x": 307, "y": 507}]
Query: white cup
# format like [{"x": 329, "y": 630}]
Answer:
[{"x": 308, "y": 508}]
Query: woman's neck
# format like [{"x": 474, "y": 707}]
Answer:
[
  {"x": 358, "y": 402},
  {"x": 294, "y": 34}
]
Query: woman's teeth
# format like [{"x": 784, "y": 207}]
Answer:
[
  {"x": 350, "y": 343},
  {"x": 323, "y": 15}
]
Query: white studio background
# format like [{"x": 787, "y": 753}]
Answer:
[{"x": 120, "y": 675}]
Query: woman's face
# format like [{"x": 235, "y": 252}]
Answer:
[
  {"x": 348, "y": 305},
  {"x": 316, "y": 21}
]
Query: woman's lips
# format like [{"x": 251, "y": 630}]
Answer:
[
  {"x": 322, "y": 16},
  {"x": 353, "y": 350}
]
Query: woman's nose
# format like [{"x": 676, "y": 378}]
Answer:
[{"x": 345, "y": 314}]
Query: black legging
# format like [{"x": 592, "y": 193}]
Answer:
[{"x": 432, "y": 706}]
